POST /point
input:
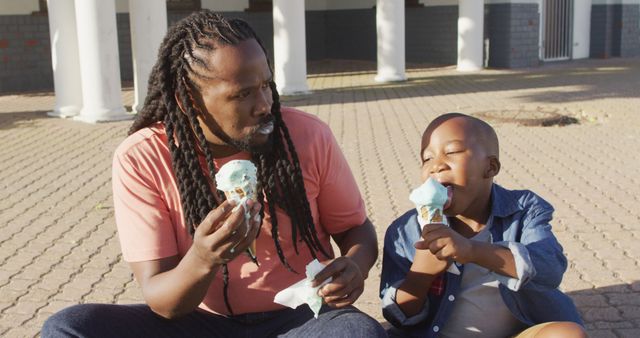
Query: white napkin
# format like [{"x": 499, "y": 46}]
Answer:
[
  {"x": 452, "y": 268},
  {"x": 302, "y": 292}
]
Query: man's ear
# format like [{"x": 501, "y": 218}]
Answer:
[{"x": 493, "y": 167}]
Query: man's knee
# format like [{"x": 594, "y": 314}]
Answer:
[
  {"x": 65, "y": 322},
  {"x": 355, "y": 324}
]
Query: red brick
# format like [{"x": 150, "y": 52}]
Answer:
[
  {"x": 31, "y": 42},
  {"x": 4, "y": 43}
]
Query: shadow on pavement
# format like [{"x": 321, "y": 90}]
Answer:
[
  {"x": 609, "y": 307},
  {"x": 21, "y": 119},
  {"x": 563, "y": 82}
]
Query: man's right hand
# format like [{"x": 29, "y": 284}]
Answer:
[{"x": 225, "y": 233}]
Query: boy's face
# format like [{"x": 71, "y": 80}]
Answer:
[{"x": 456, "y": 155}]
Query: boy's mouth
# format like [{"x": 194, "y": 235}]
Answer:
[{"x": 449, "y": 195}]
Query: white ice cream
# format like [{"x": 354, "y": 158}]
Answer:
[
  {"x": 238, "y": 180},
  {"x": 431, "y": 192}
]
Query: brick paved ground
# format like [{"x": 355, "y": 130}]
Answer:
[{"x": 58, "y": 244}]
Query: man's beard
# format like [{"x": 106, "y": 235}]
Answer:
[{"x": 246, "y": 144}]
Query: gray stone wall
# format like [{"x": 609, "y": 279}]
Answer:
[
  {"x": 25, "y": 58},
  {"x": 25, "y": 53},
  {"x": 350, "y": 34},
  {"x": 615, "y": 31},
  {"x": 432, "y": 34},
  {"x": 513, "y": 33},
  {"x": 602, "y": 34},
  {"x": 629, "y": 30}
]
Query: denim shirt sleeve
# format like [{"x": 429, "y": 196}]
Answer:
[
  {"x": 396, "y": 262},
  {"x": 394, "y": 314},
  {"x": 525, "y": 269},
  {"x": 538, "y": 256}
]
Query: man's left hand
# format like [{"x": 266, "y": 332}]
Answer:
[{"x": 347, "y": 283}]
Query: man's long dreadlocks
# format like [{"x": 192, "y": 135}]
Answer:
[{"x": 279, "y": 174}]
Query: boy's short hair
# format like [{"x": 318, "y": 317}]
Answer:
[{"x": 483, "y": 130}]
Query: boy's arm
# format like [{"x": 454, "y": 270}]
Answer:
[
  {"x": 412, "y": 293},
  {"x": 538, "y": 255},
  {"x": 494, "y": 257},
  {"x": 447, "y": 244},
  {"x": 398, "y": 272}
]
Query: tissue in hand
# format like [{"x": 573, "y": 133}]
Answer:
[{"x": 302, "y": 292}]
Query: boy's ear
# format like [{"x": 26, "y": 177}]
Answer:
[{"x": 493, "y": 168}]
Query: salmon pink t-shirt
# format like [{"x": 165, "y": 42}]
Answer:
[{"x": 151, "y": 225}]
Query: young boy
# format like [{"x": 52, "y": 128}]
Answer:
[{"x": 509, "y": 264}]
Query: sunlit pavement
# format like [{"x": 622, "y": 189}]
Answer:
[{"x": 58, "y": 242}]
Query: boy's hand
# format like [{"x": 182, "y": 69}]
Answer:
[
  {"x": 445, "y": 243},
  {"x": 427, "y": 263}
]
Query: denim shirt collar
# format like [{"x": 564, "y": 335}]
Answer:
[{"x": 502, "y": 203}]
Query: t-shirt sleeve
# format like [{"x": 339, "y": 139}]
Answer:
[
  {"x": 144, "y": 223},
  {"x": 340, "y": 204}
]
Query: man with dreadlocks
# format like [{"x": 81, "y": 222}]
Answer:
[{"x": 211, "y": 100}]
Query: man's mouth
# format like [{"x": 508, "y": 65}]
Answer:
[{"x": 266, "y": 128}]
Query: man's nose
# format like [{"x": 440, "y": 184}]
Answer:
[{"x": 264, "y": 102}]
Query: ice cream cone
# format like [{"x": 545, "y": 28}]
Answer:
[
  {"x": 238, "y": 180},
  {"x": 430, "y": 199}
]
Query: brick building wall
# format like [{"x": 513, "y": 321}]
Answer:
[
  {"x": 432, "y": 34},
  {"x": 615, "y": 30},
  {"x": 25, "y": 53},
  {"x": 629, "y": 30},
  {"x": 513, "y": 32}
]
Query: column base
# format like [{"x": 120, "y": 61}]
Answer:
[
  {"x": 64, "y": 112},
  {"x": 467, "y": 67},
  {"x": 105, "y": 116},
  {"x": 382, "y": 78}
]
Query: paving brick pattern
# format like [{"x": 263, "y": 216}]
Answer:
[{"x": 58, "y": 241}]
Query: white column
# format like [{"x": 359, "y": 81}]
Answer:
[
  {"x": 148, "y": 19},
  {"x": 581, "y": 29},
  {"x": 289, "y": 47},
  {"x": 390, "y": 34},
  {"x": 64, "y": 58},
  {"x": 470, "y": 34},
  {"x": 99, "y": 63}
]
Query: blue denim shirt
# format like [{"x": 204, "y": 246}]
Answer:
[{"x": 521, "y": 222}]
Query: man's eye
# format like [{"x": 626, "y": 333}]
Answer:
[
  {"x": 451, "y": 152},
  {"x": 242, "y": 94},
  {"x": 425, "y": 160}
]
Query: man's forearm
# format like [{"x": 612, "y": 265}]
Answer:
[
  {"x": 179, "y": 291},
  {"x": 360, "y": 244}
]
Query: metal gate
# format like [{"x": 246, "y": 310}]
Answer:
[{"x": 557, "y": 29}]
